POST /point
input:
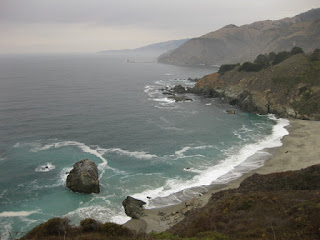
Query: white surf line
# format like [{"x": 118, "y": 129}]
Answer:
[
  {"x": 17, "y": 214},
  {"x": 225, "y": 167}
]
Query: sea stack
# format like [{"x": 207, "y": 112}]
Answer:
[{"x": 84, "y": 178}]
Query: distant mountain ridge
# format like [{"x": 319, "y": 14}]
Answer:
[
  {"x": 232, "y": 44},
  {"x": 155, "y": 49}
]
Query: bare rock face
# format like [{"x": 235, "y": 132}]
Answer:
[
  {"x": 83, "y": 178},
  {"x": 133, "y": 207}
]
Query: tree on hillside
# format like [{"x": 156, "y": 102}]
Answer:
[
  {"x": 261, "y": 58},
  {"x": 227, "y": 67},
  {"x": 315, "y": 56},
  {"x": 281, "y": 56},
  {"x": 271, "y": 56},
  {"x": 296, "y": 50},
  {"x": 251, "y": 67}
]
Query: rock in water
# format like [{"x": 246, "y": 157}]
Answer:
[
  {"x": 83, "y": 177},
  {"x": 181, "y": 98},
  {"x": 230, "y": 111},
  {"x": 179, "y": 89},
  {"x": 133, "y": 207}
]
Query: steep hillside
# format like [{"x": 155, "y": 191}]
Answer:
[
  {"x": 238, "y": 44},
  {"x": 290, "y": 88},
  {"x": 274, "y": 206}
]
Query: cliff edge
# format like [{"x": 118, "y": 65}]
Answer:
[{"x": 289, "y": 89}]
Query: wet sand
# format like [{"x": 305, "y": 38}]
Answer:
[{"x": 300, "y": 149}]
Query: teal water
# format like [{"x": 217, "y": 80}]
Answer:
[{"x": 56, "y": 110}]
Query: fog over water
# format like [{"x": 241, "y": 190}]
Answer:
[{"x": 45, "y": 26}]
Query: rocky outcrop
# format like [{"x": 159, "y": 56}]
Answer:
[
  {"x": 179, "y": 89},
  {"x": 289, "y": 89},
  {"x": 176, "y": 92},
  {"x": 181, "y": 98},
  {"x": 83, "y": 178},
  {"x": 231, "y": 111},
  {"x": 133, "y": 207}
]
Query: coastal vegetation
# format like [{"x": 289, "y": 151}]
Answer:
[
  {"x": 274, "y": 206},
  {"x": 286, "y": 84},
  {"x": 90, "y": 229},
  {"x": 227, "y": 67},
  {"x": 262, "y": 61}
]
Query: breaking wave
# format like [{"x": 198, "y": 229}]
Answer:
[{"x": 228, "y": 169}]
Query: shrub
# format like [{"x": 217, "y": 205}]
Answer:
[
  {"x": 271, "y": 56},
  {"x": 53, "y": 227},
  {"x": 251, "y": 67},
  {"x": 112, "y": 229},
  {"x": 262, "y": 59},
  {"x": 89, "y": 225},
  {"x": 211, "y": 235},
  {"x": 165, "y": 236},
  {"x": 296, "y": 50},
  {"x": 315, "y": 56},
  {"x": 280, "y": 57},
  {"x": 227, "y": 67}
]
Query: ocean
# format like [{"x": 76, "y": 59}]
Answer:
[{"x": 58, "y": 109}]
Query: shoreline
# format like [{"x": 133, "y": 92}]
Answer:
[{"x": 299, "y": 149}]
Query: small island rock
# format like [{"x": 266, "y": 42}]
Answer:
[
  {"x": 133, "y": 207},
  {"x": 230, "y": 111},
  {"x": 180, "y": 98},
  {"x": 179, "y": 89},
  {"x": 83, "y": 178}
]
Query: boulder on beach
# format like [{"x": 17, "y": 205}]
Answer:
[
  {"x": 133, "y": 207},
  {"x": 83, "y": 178}
]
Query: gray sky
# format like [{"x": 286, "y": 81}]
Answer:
[{"x": 58, "y": 26}]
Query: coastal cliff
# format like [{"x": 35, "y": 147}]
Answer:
[
  {"x": 288, "y": 89},
  {"x": 273, "y": 206},
  {"x": 243, "y": 43}
]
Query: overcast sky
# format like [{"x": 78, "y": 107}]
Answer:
[{"x": 58, "y": 26}]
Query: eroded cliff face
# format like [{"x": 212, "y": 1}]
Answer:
[{"x": 289, "y": 89}]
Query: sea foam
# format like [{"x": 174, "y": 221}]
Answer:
[
  {"x": 135, "y": 154},
  {"x": 45, "y": 168},
  {"x": 221, "y": 173},
  {"x": 17, "y": 214},
  {"x": 100, "y": 213}
]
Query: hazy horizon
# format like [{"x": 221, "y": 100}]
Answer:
[{"x": 77, "y": 26}]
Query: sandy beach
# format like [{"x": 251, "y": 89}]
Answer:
[{"x": 300, "y": 149}]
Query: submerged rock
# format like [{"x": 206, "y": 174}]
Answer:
[
  {"x": 168, "y": 93},
  {"x": 230, "y": 111},
  {"x": 133, "y": 207},
  {"x": 179, "y": 89},
  {"x": 84, "y": 177},
  {"x": 181, "y": 98}
]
